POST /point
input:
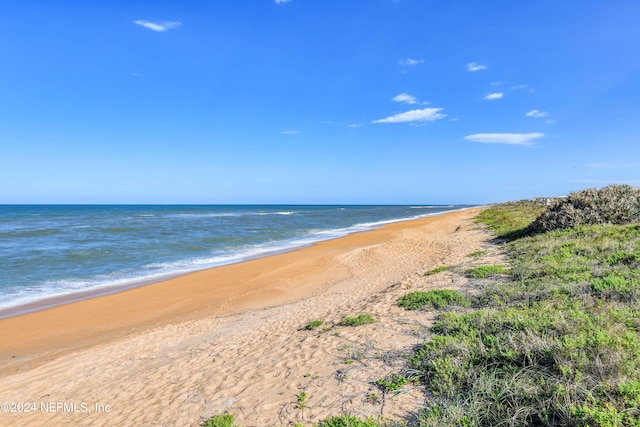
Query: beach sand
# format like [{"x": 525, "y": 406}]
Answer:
[{"x": 233, "y": 338}]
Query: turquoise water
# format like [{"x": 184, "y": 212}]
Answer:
[{"x": 61, "y": 250}]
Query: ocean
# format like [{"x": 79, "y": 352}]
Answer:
[{"x": 51, "y": 251}]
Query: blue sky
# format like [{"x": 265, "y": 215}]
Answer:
[{"x": 300, "y": 101}]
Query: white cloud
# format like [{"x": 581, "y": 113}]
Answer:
[
  {"x": 281, "y": 1},
  {"x": 411, "y": 61},
  {"x": 472, "y": 66},
  {"x": 406, "y": 98},
  {"x": 505, "y": 138},
  {"x": 423, "y": 115},
  {"x": 537, "y": 113},
  {"x": 496, "y": 83},
  {"x": 290, "y": 132},
  {"x": 497, "y": 95},
  {"x": 354, "y": 125},
  {"x": 159, "y": 26}
]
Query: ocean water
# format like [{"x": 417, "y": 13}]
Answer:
[{"x": 62, "y": 250}]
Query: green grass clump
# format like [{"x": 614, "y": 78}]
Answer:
[
  {"x": 346, "y": 420},
  {"x": 434, "y": 299},
  {"x": 224, "y": 420},
  {"x": 484, "y": 271},
  {"x": 558, "y": 344},
  {"x": 359, "y": 320},
  {"x": 436, "y": 270},
  {"x": 393, "y": 382},
  {"x": 477, "y": 253},
  {"x": 313, "y": 325}
]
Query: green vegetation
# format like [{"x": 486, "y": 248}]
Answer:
[
  {"x": 344, "y": 420},
  {"x": 559, "y": 344},
  {"x": 314, "y": 324},
  {"x": 615, "y": 204},
  {"x": 477, "y": 253},
  {"x": 484, "y": 271},
  {"x": 509, "y": 220},
  {"x": 393, "y": 382},
  {"x": 359, "y": 320},
  {"x": 433, "y": 299},
  {"x": 436, "y": 270},
  {"x": 373, "y": 398},
  {"x": 224, "y": 420},
  {"x": 302, "y": 396}
]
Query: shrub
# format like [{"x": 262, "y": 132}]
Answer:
[{"x": 615, "y": 204}]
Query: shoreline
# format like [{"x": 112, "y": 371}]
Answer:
[
  {"x": 53, "y": 301},
  {"x": 216, "y": 291},
  {"x": 234, "y": 338}
]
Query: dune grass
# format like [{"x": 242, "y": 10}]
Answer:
[
  {"x": 432, "y": 299},
  {"x": 314, "y": 324},
  {"x": 222, "y": 420},
  {"x": 393, "y": 382},
  {"x": 359, "y": 320},
  {"x": 559, "y": 344},
  {"x": 477, "y": 254},
  {"x": 344, "y": 420},
  {"x": 484, "y": 271},
  {"x": 510, "y": 220},
  {"x": 436, "y": 270}
]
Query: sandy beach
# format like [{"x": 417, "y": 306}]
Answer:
[{"x": 233, "y": 338}]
